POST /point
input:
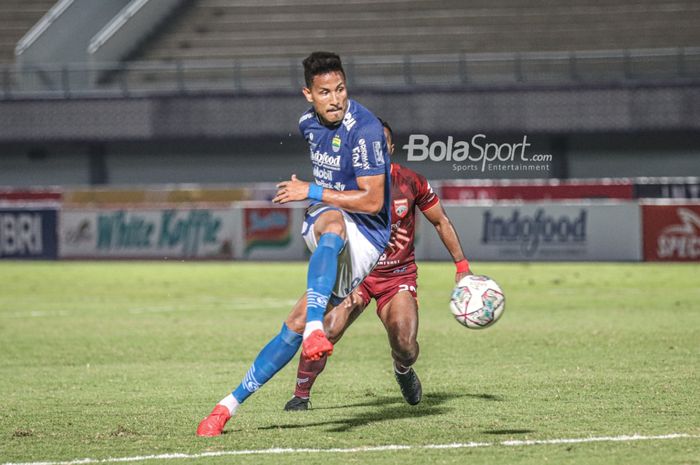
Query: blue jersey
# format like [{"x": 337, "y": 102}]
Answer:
[{"x": 354, "y": 148}]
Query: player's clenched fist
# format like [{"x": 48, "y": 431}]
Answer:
[{"x": 291, "y": 191}]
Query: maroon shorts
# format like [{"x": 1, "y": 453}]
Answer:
[{"x": 384, "y": 288}]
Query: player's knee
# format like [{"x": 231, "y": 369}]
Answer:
[
  {"x": 330, "y": 222},
  {"x": 334, "y": 334},
  {"x": 408, "y": 345},
  {"x": 405, "y": 359},
  {"x": 334, "y": 227},
  {"x": 333, "y": 327}
]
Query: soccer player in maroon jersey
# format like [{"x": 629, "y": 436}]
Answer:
[{"x": 392, "y": 284}]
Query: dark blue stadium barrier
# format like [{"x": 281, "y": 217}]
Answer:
[
  {"x": 667, "y": 188},
  {"x": 28, "y": 233}
]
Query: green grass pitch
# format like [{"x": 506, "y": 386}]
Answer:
[{"x": 103, "y": 360}]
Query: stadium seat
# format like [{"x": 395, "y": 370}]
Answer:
[
  {"x": 218, "y": 29},
  {"x": 18, "y": 17}
]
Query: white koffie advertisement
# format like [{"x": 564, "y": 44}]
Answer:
[{"x": 197, "y": 233}]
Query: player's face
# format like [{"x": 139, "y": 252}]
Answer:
[
  {"x": 329, "y": 96},
  {"x": 389, "y": 142}
]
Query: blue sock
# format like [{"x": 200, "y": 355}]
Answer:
[
  {"x": 275, "y": 355},
  {"x": 323, "y": 269}
]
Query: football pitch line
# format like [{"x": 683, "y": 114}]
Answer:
[
  {"x": 390, "y": 447},
  {"x": 234, "y": 304}
]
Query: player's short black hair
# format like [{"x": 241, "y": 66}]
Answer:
[
  {"x": 388, "y": 128},
  {"x": 321, "y": 63}
]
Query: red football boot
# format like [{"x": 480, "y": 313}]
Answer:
[
  {"x": 316, "y": 345},
  {"x": 214, "y": 424}
]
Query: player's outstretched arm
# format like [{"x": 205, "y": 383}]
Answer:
[
  {"x": 368, "y": 199},
  {"x": 438, "y": 217}
]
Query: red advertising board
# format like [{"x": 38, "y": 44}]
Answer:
[
  {"x": 671, "y": 232},
  {"x": 622, "y": 190},
  {"x": 30, "y": 195}
]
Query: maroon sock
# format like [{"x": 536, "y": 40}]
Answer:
[{"x": 306, "y": 375}]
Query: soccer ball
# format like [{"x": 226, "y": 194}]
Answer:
[{"x": 477, "y": 302}]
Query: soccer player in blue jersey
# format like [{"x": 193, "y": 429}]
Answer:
[{"x": 347, "y": 225}]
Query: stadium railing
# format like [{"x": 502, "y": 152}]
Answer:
[{"x": 126, "y": 79}]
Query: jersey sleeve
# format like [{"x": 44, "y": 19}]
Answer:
[
  {"x": 426, "y": 198},
  {"x": 369, "y": 154},
  {"x": 304, "y": 121}
]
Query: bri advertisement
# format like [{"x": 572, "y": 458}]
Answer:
[
  {"x": 198, "y": 233},
  {"x": 28, "y": 233}
]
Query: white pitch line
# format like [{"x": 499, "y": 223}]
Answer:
[
  {"x": 233, "y": 304},
  {"x": 35, "y": 314},
  {"x": 390, "y": 447}
]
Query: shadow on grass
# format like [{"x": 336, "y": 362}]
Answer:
[
  {"x": 390, "y": 408},
  {"x": 486, "y": 397},
  {"x": 508, "y": 431},
  {"x": 431, "y": 398}
]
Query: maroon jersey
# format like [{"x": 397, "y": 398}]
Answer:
[{"x": 408, "y": 191}]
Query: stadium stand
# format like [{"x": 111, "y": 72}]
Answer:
[
  {"x": 18, "y": 16},
  {"x": 245, "y": 45},
  {"x": 607, "y": 86},
  {"x": 223, "y": 29}
]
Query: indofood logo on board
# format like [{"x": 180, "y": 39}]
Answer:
[
  {"x": 267, "y": 227},
  {"x": 527, "y": 235}
]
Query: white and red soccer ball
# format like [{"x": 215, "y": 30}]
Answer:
[{"x": 477, "y": 302}]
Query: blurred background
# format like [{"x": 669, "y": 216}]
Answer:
[{"x": 116, "y": 114}]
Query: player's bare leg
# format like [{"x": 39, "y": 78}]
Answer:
[
  {"x": 400, "y": 318},
  {"x": 335, "y": 322},
  {"x": 297, "y": 317},
  {"x": 339, "y": 318}
]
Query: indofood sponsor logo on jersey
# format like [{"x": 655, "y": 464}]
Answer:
[
  {"x": 326, "y": 161},
  {"x": 543, "y": 233},
  {"x": 267, "y": 227}
]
